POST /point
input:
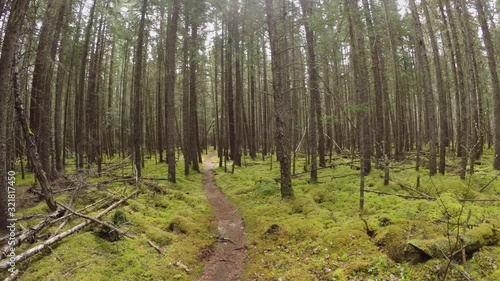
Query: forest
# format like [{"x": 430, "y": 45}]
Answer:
[{"x": 250, "y": 140}]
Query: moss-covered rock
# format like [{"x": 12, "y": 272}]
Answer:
[
  {"x": 485, "y": 234},
  {"x": 181, "y": 225}
]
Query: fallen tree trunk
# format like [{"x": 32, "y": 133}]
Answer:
[
  {"x": 30, "y": 233},
  {"x": 441, "y": 247},
  {"x": 29, "y": 253}
]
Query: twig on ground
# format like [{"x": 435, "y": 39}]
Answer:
[
  {"x": 152, "y": 244},
  {"x": 183, "y": 266},
  {"x": 223, "y": 239},
  {"x": 486, "y": 185},
  {"x": 78, "y": 266}
]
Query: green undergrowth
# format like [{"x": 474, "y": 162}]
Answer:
[
  {"x": 175, "y": 217},
  {"x": 320, "y": 236}
]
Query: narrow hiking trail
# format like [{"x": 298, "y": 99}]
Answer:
[{"x": 227, "y": 261}]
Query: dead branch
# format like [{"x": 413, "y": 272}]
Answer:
[
  {"x": 70, "y": 214},
  {"x": 401, "y": 195},
  {"x": 224, "y": 239},
  {"x": 96, "y": 221},
  {"x": 344, "y": 176},
  {"x": 486, "y": 185},
  {"x": 30, "y": 252},
  {"x": 411, "y": 189},
  {"x": 183, "y": 266},
  {"x": 65, "y": 189},
  {"x": 152, "y": 244},
  {"x": 479, "y": 200},
  {"x": 78, "y": 266},
  {"x": 7, "y": 237},
  {"x": 29, "y": 217}
]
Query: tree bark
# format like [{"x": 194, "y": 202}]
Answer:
[
  {"x": 31, "y": 144},
  {"x": 193, "y": 112},
  {"x": 443, "y": 107},
  {"x": 138, "y": 84},
  {"x": 170, "y": 89},
  {"x": 315, "y": 127},
  {"x": 80, "y": 127},
  {"x": 41, "y": 95},
  {"x": 281, "y": 113},
  {"x": 238, "y": 93},
  {"x": 358, "y": 58},
  {"x": 426, "y": 88},
  {"x": 10, "y": 42},
  {"x": 492, "y": 64}
]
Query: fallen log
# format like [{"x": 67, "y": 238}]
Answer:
[
  {"x": 30, "y": 233},
  {"x": 12, "y": 276},
  {"x": 30, "y": 252},
  {"x": 441, "y": 247}
]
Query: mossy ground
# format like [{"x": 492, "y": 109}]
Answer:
[
  {"x": 316, "y": 236},
  {"x": 175, "y": 217},
  {"x": 320, "y": 236}
]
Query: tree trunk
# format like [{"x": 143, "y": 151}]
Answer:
[
  {"x": 186, "y": 119},
  {"x": 10, "y": 43},
  {"x": 238, "y": 94},
  {"x": 41, "y": 94},
  {"x": 315, "y": 101},
  {"x": 193, "y": 112},
  {"x": 379, "y": 87},
  {"x": 170, "y": 89},
  {"x": 490, "y": 53},
  {"x": 361, "y": 79},
  {"x": 31, "y": 144},
  {"x": 426, "y": 88},
  {"x": 443, "y": 107},
  {"x": 61, "y": 24},
  {"x": 80, "y": 94},
  {"x": 138, "y": 84},
  {"x": 281, "y": 113}
]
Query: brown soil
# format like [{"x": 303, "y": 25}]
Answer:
[{"x": 227, "y": 260}]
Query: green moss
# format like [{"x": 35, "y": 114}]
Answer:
[
  {"x": 181, "y": 225},
  {"x": 182, "y": 208},
  {"x": 298, "y": 274},
  {"x": 485, "y": 234},
  {"x": 320, "y": 233}
]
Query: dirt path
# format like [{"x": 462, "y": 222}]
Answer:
[{"x": 228, "y": 258}]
